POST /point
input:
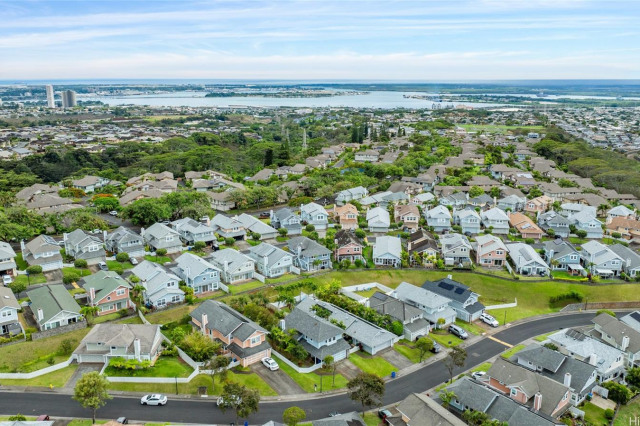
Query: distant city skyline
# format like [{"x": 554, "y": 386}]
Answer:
[{"x": 321, "y": 40}]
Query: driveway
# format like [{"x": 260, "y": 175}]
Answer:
[
  {"x": 347, "y": 369},
  {"x": 395, "y": 358},
  {"x": 278, "y": 380},
  {"x": 82, "y": 369}
]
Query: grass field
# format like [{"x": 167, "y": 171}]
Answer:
[
  {"x": 32, "y": 279},
  {"x": 594, "y": 415},
  {"x": 235, "y": 289},
  {"x": 512, "y": 351},
  {"x": 158, "y": 259},
  {"x": 372, "y": 364},
  {"x": 444, "y": 337},
  {"x": 30, "y": 356},
  {"x": 628, "y": 413},
  {"x": 470, "y": 327},
  {"x": 307, "y": 381},
  {"x": 105, "y": 318},
  {"x": 482, "y": 367},
  {"x": 20, "y": 262},
  {"x": 57, "y": 378},
  {"x": 114, "y": 264},
  {"x": 164, "y": 367},
  {"x": 406, "y": 348},
  {"x": 169, "y": 315}
]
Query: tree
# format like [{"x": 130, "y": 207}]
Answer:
[
  {"x": 293, "y": 415},
  {"x": 199, "y": 245},
  {"x": 18, "y": 287},
  {"x": 160, "y": 252},
  {"x": 217, "y": 365},
  {"x": 633, "y": 376},
  {"x": 366, "y": 388},
  {"x": 34, "y": 269},
  {"x": 283, "y": 232},
  {"x": 122, "y": 257},
  {"x": 456, "y": 358},
  {"x": 330, "y": 365},
  {"x": 147, "y": 211},
  {"x": 239, "y": 398},
  {"x": 199, "y": 347},
  {"x": 475, "y": 418},
  {"x": 446, "y": 396},
  {"x": 581, "y": 233},
  {"x": 91, "y": 392},
  {"x": 424, "y": 345},
  {"x": 618, "y": 393},
  {"x": 89, "y": 312},
  {"x": 106, "y": 204},
  {"x": 475, "y": 191},
  {"x": 80, "y": 263}
]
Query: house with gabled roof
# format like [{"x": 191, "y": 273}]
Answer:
[
  {"x": 620, "y": 211},
  {"x": 456, "y": 249},
  {"x": 308, "y": 255},
  {"x": 124, "y": 240},
  {"x": 256, "y": 226},
  {"x": 621, "y": 336},
  {"x": 490, "y": 251},
  {"x": 438, "y": 218},
  {"x": 141, "y": 342},
  {"x": 412, "y": 318},
  {"x": 526, "y": 260},
  {"x": 496, "y": 220},
  {"x": 525, "y": 226},
  {"x": 234, "y": 266},
  {"x": 7, "y": 259},
  {"x": 468, "y": 220},
  {"x": 562, "y": 256},
  {"x": 161, "y": 285},
  {"x": 160, "y": 236},
  {"x": 108, "y": 291},
  {"x": 630, "y": 259},
  {"x": 53, "y": 306},
  {"x": 462, "y": 299},
  {"x": 314, "y": 214},
  {"x": 348, "y": 246},
  {"x": 197, "y": 273},
  {"x": 512, "y": 202},
  {"x": 285, "y": 218},
  {"x": 421, "y": 410},
  {"x": 456, "y": 199},
  {"x": 357, "y": 193},
  {"x": 586, "y": 220},
  {"x": 600, "y": 259},
  {"x": 241, "y": 338},
  {"x": 387, "y": 251},
  {"x": 627, "y": 228},
  {"x": 80, "y": 245},
  {"x": 378, "y": 220},
  {"x": 192, "y": 231},
  {"x": 346, "y": 216},
  {"x": 433, "y": 305},
  {"x": 271, "y": 261},
  {"x": 44, "y": 251},
  {"x": 553, "y": 220},
  {"x": 539, "y": 204},
  {"x": 228, "y": 227},
  {"x": 90, "y": 183},
  {"x": 423, "y": 243},
  {"x": 408, "y": 215},
  {"x": 9, "y": 307}
]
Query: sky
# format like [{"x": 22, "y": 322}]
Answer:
[{"x": 320, "y": 40}]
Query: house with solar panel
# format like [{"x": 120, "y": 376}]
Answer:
[{"x": 462, "y": 299}]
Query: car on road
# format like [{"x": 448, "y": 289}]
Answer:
[
  {"x": 133, "y": 261},
  {"x": 154, "y": 399},
  {"x": 103, "y": 266},
  {"x": 113, "y": 213},
  {"x": 458, "y": 332},
  {"x": 333, "y": 414},
  {"x": 270, "y": 363},
  {"x": 6, "y": 279},
  {"x": 488, "y": 319},
  {"x": 478, "y": 375},
  {"x": 264, "y": 215}
]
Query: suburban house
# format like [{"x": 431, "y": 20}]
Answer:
[
  {"x": 627, "y": 228},
  {"x": 457, "y": 199},
  {"x": 161, "y": 286},
  {"x": 43, "y": 251},
  {"x": 348, "y": 246},
  {"x": 387, "y": 251},
  {"x": 124, "y": 240},
  {"x": 318, "y": 336},
  {"x": 547, "y": 396},
  {"x": 90, "y": 183},
  {"x": 7, "y": 259},
  {"x": 630, "y": 259},
  {"x": 619, "y": 335},
  {"x": 490, "y": 251},
  {"x": 462, "y": 299},
  {"x": 378, "y": 220},
  {"x": 538, "y": 205},
  {"x": 409, "y": 215},
  {"x": 562, "y": 256},
  {"x": 368, "y": 155},
  {"x": 422, "y": 243},
  {"x": 433, "y": 305},
  {"x": 197, "y": 273},
  {"x": 108, "y": 291},
  {"x": 586, "y": 221},
  {"x": 357, "y": 193},
  {"x": 80, "y": 245},
  {"x": 140, "y": 342},
  {"x": 160, "y": 236},
  {"x": 421, "y": 410},
  {"x": 620, "y": 211},
  {"x": 285, "y": 218},
  {"x": 9, "y": 307},
  {"x": 192, "y": 231},
  {"x": 228, "y": 227},
  {"x": 53, "y": 306},
  {"x": 314, "y": 214},
  {"x": 456, "y": 249},
  {"x": 256, "y": 226},
  {"x": 609, "y": 361},
  {"x": 632, "y": 320},
  {"x": 411, "y": 317},
  {"x": 525, "y": 226},
  {"x": 369, "y": 337},
  {"x": 496, "y": 220},
  {"x": 271, "y": 261},
  {"x": 553, "y": 220},
  {"x": 578, "y": 376},
  {"x": 242, "y": 339},
  {"x": 234, "y": 266},
  {"x": 423, "y": 199},
  {"x": 512, "y": 203},
  {"x": 439, "y": 219},
  {"x": 346, "y": 216},
  {"x": 600, "y": 259},
  {"x": 221, "y": 201},
  {"x": 309, "y": 255},
  {"x": 468, "y": 220},
  {"x": 526, "y": 260}
]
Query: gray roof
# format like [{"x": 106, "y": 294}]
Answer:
[
  {"x": 632, "y": 320},
  {"x": 42, "y": 244},
  {"x": 310, "y": 325},
  {"x": 8, "y": 299},
  {"x": 473, "y": 395},
  {"x": 255, "y": 225},
  {"x": 309, "y": 247},
  {"x": 189, "y": 265},
  {"x": 598, "y": 252},
  {"x": 396, "y": 309},
  {"x": 387, "y": 245},
  {"x": 123, "y": 335},
  {"x": 159, "y": 231},
  {"x": 6, "y": 251},
  {"x": 122, "y": 234},
  {"x": 153, "y": 276},
  {"x": 226, "y": 320},
  {"x": 495, "y": 213},
  {"x": 52, "y": 299},
  {"x": 283, "y": 213},
  {"x": 449, "y": 288},
  {"x": 421, "y": 296},
  {"x": 627, "y": 255},
  {"x": 348, "y": 419},
  {"x": 523, "y": 254},
  {"x": 618, "y": 330},
  {"x": 189, "y": 225},
  {"x": 273, "y": 253},
  {"x": 234, "y": 258},
  {"x": 584, "y": 346},
  {"x": 560, "y": 248},
  {"x": 424, "y": 411}
]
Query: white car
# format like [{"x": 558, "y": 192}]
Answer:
[
  {"x": 478, "y": 375},
  {"x": 6, "y": 279},
  {"x": 270, "y": 363},
  {"x": 220, "y": 401},
  {"x": 154, "y": 399},
  {"x": 133, "y": 261},
  {"x": 488, "y": 319},
  {"x": 113, "y": 213}
]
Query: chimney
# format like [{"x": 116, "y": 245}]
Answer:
[
  {"x": 625, "y": 343},
  {"x": 136, "y": 348},
  {"x": 593, "y": 359},
  {"x": 567, "y": 380},
  {"x": 450, "y": 276},
  {"x": 40, "y": 314},
  {"x": 142, "y": 232},
  {"x": 495, "y": 201},
  {"x": 22, "y": 247},
  {"x": 204, "y": 320},
  {"x": 628, "y": 262},
  {"x": 537, "y": 401},
  {"x": 282, "y": 325},
  {"x": 92, "y": 294},
  {"x": 299, "y": 250},
  {"x": 265, "y": 262},
  {"x": 226, "y": 266},
  {"x": 64, "y": 237}
]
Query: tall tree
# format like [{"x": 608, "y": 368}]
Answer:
[
  {"x": 91, "y": 392},
  {"x": 456, "y": 358},
  {"x": 366, "y": 388},
  {"x": 268, "y": 157},
  {"x": 423, "y": 345},
  {"x": 293, "y": 415},
  {"x": 242, "y": 400},
  {"x": 217, "y": 365},
  {"x": 330, "y": 365}
]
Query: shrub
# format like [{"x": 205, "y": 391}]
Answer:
[
  {"x": 66, "y": 347},
  {"x": 283, "y": 232},
  {"x": 529, "y": 240},
  {"x": 34, "y": 269},
  {"x": 581, "y": 233},
  {"x": 229, "y": 241},
  {"x": 609, "y": 413},
  {"x": 199, "y": 245},
  {"x": 69, "y": 277},
  {"x": 51, "y": 360},
  {"x": 565, "y": 299},
  {"x": 551, "y": 346},
  {"x": 616, "y": 234},
  {"x": 606, "y": 311},
  {"x": 80, "y": 263},
  {"x": 122, "y": 257},
  {"x": 17, "y": 418},
  {"x": 18, "y": 287},
  {"x": 360, "y": 233},
  {"x": 310, "y": 228}
]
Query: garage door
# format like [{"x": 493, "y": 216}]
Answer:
[{"x": 90, "y": 358}]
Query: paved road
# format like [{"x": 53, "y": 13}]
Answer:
[{"x": 195, "y": 411}]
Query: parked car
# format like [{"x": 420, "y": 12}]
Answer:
[
  {"x": 458, "y": 331},
  {"x": 488, "y": 319},
  {"x": 6, "y": 279},
  {"x": 436, "y": 347},
  {"x": 113, "y": 213},
  {"x": 122, "y": 420},
  {"x": 264, "y": 215},
  {"x": 42, "y": 418},
  {"x": 333, "y": 414},
  {"x": 478, "y": 375},
  {"x": 133, "y": 261},
  {"x": 383, "y": 414},
  {"x": 270, "y": 363},
  {"x": 103, "y": 266},
  {"x": 154, "y": 399}
]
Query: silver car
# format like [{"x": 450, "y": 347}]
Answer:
[{"x": 154, "y": 399}]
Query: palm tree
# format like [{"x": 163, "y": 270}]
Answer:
[
  {"x": 89, "y": 312},
  {"x": 602, "y": 208},
  {"x": 137, "y": 294}
]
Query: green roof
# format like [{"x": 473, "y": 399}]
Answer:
[
  {"x": 52, "y": 299},
  {"x": 104, "y": 282}
]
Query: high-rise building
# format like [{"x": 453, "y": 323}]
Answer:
[
  {"x": 69, "y": 99},
  {"x": 51, "y": 101}
]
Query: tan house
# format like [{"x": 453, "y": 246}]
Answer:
[
  {"x": 490, "y": 251},
  {"x": 242, "y": 339},
  {"x": 409, "y": 215},
  {"x": 539, "y": 204},
  {"x": 628, "y": 228},
  {"x": 346, "y": 216},
  {"x": 525, "y": 226}
]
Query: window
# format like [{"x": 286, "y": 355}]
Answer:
[
  {"x": 120, "y": 292},
  {"x": 255, "y": 340},
  {"x": 175, "y": 298},
  {"x": 513, "y": 392},
  {"x": 498, "y": 252}
]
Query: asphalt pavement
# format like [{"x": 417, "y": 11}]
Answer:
[{"x": 194, "y": 410}]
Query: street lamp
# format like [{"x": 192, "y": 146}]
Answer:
[{"x": 28, "y": 279}]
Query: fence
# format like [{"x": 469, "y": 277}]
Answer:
[
  {"x": 502, "y": 306},
  {"x": 153, "y": 379},
  {"x": 259, "y": 277},
  {"x": 223, "y": 287},
  {"x": 58, "y": 330},
  {"x": 572, "y": 307},
  {"x": 37, "y": 373},
  {"x": 294, "y": 366}
]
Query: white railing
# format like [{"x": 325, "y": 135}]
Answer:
[
  {"x": 503, "y": 306},
  {"x": 294, "y": 366},
  {"x": 37, "y": 373}
]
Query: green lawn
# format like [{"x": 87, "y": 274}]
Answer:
[
  {"x": 482, "y": 367},
  {"x": 158, "y": 259},
  {"x": 169, "y": 315},
  {"x": 371, "y": 418},
  {"x": 20, "y": 262},
  {"x": 563, "y": 275},
  {"x": 105, "y": 318},
  {"x": 85, "y": 422},
  {"x": 594, "y": 415},
  {"x": 114, "y": 264},
  {"x": 445, "y": 338},
  {"x": 512, "y": 351},
  {"x": 470, "y": 327},
  {"x": 131, "y": 320},
  {"x": 57, "y": 378},
  {"x": 164, "y": 367},
  {"x": 33, "y": 279},
  {"x": 372, "y": 364},
  {"x": 307, "y": 381},
  {"x": 282, "y": 278},
  {"x": 252, "y": 381},
  {"x": 543, "y": 337},
  {"x": 30, "y": 356},
  {"x": 577, "y": 240},
  {"x": 235, "y": 289},
  {"x": 407, "y": 349},
  {"x": 367, "y": 293},
  {"x": 628, "y": 413}
]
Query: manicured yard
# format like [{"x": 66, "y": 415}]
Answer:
[
  {"x": 85, "y": 422},
  {"x": 367, "y": 293},
  {"x": 235, "y": 289},
  {"x": 164, "y": 367},
  {"x": 169, "y": 315},
  {"x": 131, "y": 320},
  {"x": 371, "y": 418},
  {"x": 57, "y": 378},
  {"x": 114, "y": 264},
  {"x": 282, "y": 278},
  {"x": 372, "y": 364},
  {"x": 306, "y": 381},
  {"x": 445, "y": 338},
  {"x": 543, "y": 337},
  {"x": 483, "y": 367},
  {"x": 158, "y": 259},
  {"x": 32, "y": 279},
  {"x": 407, "y": 349},
  {"x": 80, "y": 271},
  {"x": 30, "y": 356},
  {"x": 594, "y": 415},
  {"x": 20, "y": 262},
  {"x": 563, "y": 275},
  {"x": 470, "y": 327},
  {"x": 627, "y": 413},
  {"x": 512, "y": 351},
  {"x": 105, "y": 318}
]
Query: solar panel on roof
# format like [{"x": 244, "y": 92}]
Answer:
[
  {"x": 635, "y": 315},
  {"x": 459, "y": 290},
  {"x": 575, "y": 335},
  {"x": 446, "y": 286}
]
